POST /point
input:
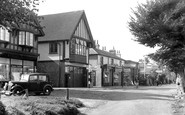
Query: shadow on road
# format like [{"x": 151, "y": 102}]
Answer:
[{"x": 115, "y": 95}]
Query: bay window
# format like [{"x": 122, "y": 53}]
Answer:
[
  {"x": 78, "y": 47},
  {"x": 4, "y": 34},
  {"x": 26, "y": 38}
]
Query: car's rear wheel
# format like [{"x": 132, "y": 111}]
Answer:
[
  {"x": 47, "y": 91},
  {"x": 18, "y": 91}
]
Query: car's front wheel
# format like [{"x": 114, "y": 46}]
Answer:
[
  {"x": 47, "y": 90},
  {"x": 18, "y": 91}
]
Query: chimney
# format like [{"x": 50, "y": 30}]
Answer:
[
  {"x": 118, "y": 53},
  {"x": 103, "y": 48},
  {"x": 97, "y": 45},
  {"x": 113, "y": 51}
]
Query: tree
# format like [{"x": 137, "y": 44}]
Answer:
[
  {"x": 162, "y": 23},
  {"x": 16, "y": 12}
]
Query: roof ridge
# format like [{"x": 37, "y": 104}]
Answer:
[
  {"x": 109, "y": 53},
  {"x": 80, "y": 11}
]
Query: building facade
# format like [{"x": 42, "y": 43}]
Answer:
[
  {"x": 131, "y": 72},
  {"x": 107, "y": 67},
  {"x": 64, "y": 50},
  {"x": 18, "y": 51}
]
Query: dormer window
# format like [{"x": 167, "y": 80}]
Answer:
[
  {"x": 26, "y": 38},
  {"x": 4, "y": 34}
]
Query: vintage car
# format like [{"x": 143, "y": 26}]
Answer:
[{"x": 33, "y": 82}]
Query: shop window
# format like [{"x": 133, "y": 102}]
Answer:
[
  {"x": 53, "y": 49},
  {"x": 4, "y": 72},
  {"x": 106, "y": 77}
]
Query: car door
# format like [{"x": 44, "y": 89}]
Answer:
[
  {"x": 33, "y": 82},
  {"x": 43, "y": 80}
]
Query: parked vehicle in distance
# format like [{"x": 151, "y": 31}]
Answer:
[{"x": 34, "y": 82}]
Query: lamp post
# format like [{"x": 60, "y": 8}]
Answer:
[{"x": 144, "y": 66}]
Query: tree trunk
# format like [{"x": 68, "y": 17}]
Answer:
[{"x": 182, "y": 74}]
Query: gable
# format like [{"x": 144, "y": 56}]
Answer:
[
  {"x": 60, "y": 26},
  {"x": 81, "y": 30}
]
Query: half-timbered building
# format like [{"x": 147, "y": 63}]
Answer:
[
  {"x": 64, "y": 50},
  {"x": 18, "y": 50}
]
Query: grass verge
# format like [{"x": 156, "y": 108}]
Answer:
[{"x": 40, "y": 105}]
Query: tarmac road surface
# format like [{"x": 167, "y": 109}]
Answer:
[{"x": 148, "y": 100}]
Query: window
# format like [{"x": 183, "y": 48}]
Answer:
[
  {"x": 120, "y": 63},
  {"x": 78, "y": 47},
  {"x": 112, "y": 61},
  {"x": 101, "y": 60},
  {"x": 26, "y": 38},
  {"x": 42, "y": 78},
  {"x": 21, "y": 38},
  {"x": 53, "y": 48},
  {"x": 33, "y": 78},
  {"x": 4, "y": 34}
]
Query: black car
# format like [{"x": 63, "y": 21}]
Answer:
[{"x": 34, "y": 82}]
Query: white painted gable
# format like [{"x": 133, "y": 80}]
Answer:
[{"x": 81, "y": 30}]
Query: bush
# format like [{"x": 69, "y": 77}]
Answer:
[
  {"x": 2, "y": 109},
  {"x": 13, "y": 111}
]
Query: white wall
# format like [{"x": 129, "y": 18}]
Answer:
[{"x": 43, "y": 50}]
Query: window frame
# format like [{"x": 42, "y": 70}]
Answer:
[
  {"x": 4, "y": 34},
  {"x": 78, "y": 47},
  {"x": 26, "y": 38},
  {"x": 53, "y": 48}
]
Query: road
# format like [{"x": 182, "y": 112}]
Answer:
[{"x": 148, "y": 100}]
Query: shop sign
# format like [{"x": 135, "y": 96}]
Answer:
[{"x": 16, "y": 66}]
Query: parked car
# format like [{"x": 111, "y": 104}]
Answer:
[{"x": 34, "y": 82}]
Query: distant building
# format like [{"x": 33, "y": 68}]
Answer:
[
  {"x": 131, "y": 72},
  {"x": 64, "y": 50},
  {"x": 106, "y": 67}
]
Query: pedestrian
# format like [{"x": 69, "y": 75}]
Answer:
[{"x": 136, "y": 82}]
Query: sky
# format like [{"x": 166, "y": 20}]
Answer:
[{"x": 108, "y": 21}]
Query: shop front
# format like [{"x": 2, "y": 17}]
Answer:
[
  {"x": 75, "y": 76},
  {"x": 11, "y": 69},
  {"x": 111, "y": 75}
]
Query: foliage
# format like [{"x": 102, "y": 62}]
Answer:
[
  {"x": 2, "y": 108},
  {"x": 43, "y": 105},
  {"x": 16, "y": 12},
  {"x": 161, "y": 23}
]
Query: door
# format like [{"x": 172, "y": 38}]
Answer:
[
  {"x": 42, "y": 81},
  {"x": 33, "y": 83}
]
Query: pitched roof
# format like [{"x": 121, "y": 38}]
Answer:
[
  {"x": 105, "y": 53},
  {"x": 60, "y": 26}
]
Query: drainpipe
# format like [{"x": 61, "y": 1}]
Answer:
[{"x": 59, "y": 66}]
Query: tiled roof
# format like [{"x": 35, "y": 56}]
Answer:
[
  {"x": 60, "y": 26},
  {"x": 108, "y": 54}
]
